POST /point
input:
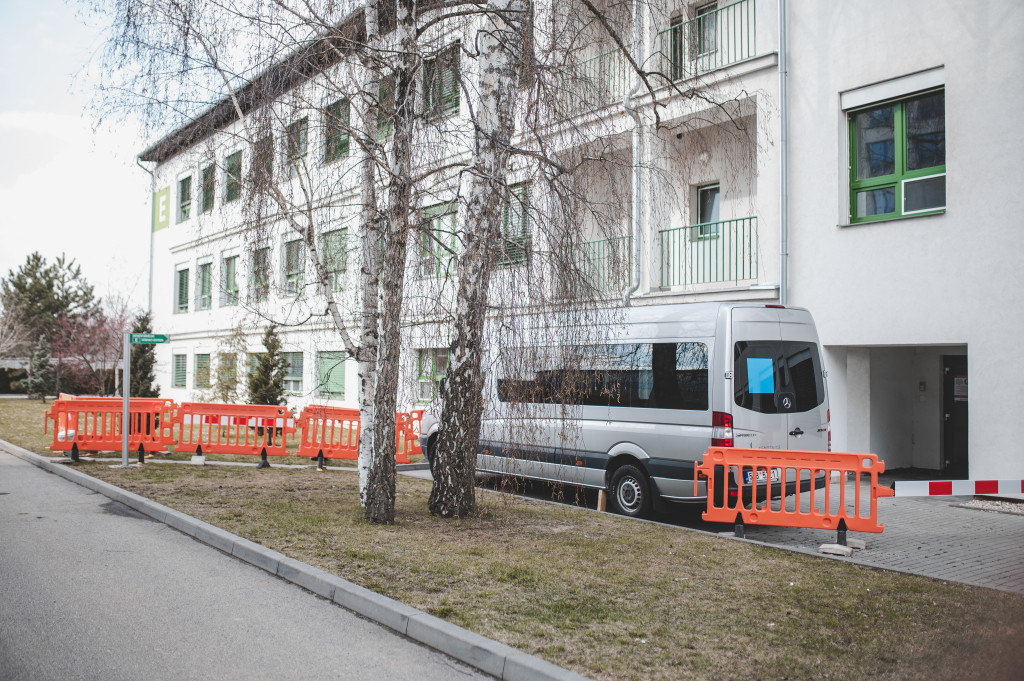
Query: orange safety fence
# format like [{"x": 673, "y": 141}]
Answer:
[
  {"x": 331, "y": 431},
  {"x": 416, "y": 423},
  {"x": 249, "y": 429},
  {"x": 404, "y": 438},
  {"x": 825, "y": 490},
  {"x": 93, "y": 424}
]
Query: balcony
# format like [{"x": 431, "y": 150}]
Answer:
[
  {"x": 713, "y": 253},
  {"x": 711, "y": 40},
  {"x": 604, "y": 268}
]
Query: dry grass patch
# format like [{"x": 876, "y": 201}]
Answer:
[{"x": 606, "y": 596}]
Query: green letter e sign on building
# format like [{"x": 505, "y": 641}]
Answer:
[{"x": 161, "y": 209}]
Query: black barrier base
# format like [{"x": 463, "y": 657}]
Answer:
[
  {"x": 263, "y": 460},
  {"x": 320, "y": 460}
]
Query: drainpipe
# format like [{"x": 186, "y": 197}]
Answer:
[
  {"x": 627, "y": 104},
  {"x": 783, "y": 162},
  {"x": 152, "y": 188}
]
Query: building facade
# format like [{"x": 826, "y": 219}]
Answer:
[{"x": 833, "y": 198}]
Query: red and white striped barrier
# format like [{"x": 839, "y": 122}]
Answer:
[{"x": 938, "y": 488}]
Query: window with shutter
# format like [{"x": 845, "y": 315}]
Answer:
[
  {"x": 233, "y": 177},
  {"x": 181, "y": 291},
  {"x": 204, "y": 287},
  {"x": 334, "y": 245},
  {"x": 441, "y": 83},
  {"x": 336, "y": 125},
  {"x": 386, "y": 107},
  {"x": 202, "y": 375},
  {"x": 227, "y": 368},
  {"x": 184, "y": 198},
  {"x": 437, "y": 239},
  {"x": 229, "y": 280},
  {"x": 292, "y": 372},
  {"x": 263, "y": 161},
  {"x": 292, "y": 267},
  {"x": 209, "y": 180},
  {"x": 433, "y": 366},
  {"x": 179, "y": 370},
  {"x": 259, "y": 275},
  {"x": 515, "y": 226},
  {"x": 332, "y": 374},
  {"x": 297, "y": 140}
]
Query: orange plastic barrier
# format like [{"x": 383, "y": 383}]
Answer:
[
  {"x": 331, "y": 431},
  {"x": 404, "y": 438},
  {"x": 251, "y": 429},
  {"x": 416, "y": 422},
  {"x": 93, "y": 424},
  {"x": 752, "y": 491}
]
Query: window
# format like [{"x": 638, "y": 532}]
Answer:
[
  {"x": 437, "y": 239},
  {"x": 707, "y": 211},
  {"x": 433, "y": 366},
  {"x": 227, "y": 370},
  {"x": 386, "y": 107},
  {"x": 233, "y": 177},
  {"x": 703, "y": 29},
  {"x": 263, "y": 161},
  {"x": 204, "y": 287},
  {"x": 202, "y": 375},
  {"x": 441, "y": 82},
  {"x": 181, "y": 291},
  {"x": 334, "y": 244},
  {"x": 254, "y": 362},
  {"x": 638, "y": 375},
  {"x": 178, "y": 372},
  {"x": 292, "y": 267},
  {"x": 297, "y": 140},
  {"x": 184, "y": 198},
  {"x": 292, "y": 372},
  {"x": 336, "y": 124},
  {"x": 898, "y": 158},
  {"x": 229, "y": 280},
  {"x": 259, "y": 274},
  {"x": 209, "y": 180},
  {"x": 332, "y": 374},
  {"x": 515, "y": 226},
  {"x": 774, "y": 377}
]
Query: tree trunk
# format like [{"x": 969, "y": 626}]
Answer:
[
  {"x": 370, "y": 256},
  {"x": 453, "y": 493},
  {"x": 380, "y": 489}
]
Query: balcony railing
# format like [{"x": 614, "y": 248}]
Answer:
[
  {"x": 605, "y": 266},
  {"x": 599, "y": 81},
  {"x": 707, "y": 42},
  {"x": 710, "y": 253}
]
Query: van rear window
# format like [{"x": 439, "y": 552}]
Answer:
[
  {"x": 774, "y": 377},
  {"x": 648, "y": 375}
]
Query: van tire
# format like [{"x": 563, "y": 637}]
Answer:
[{"x": 630, "y": 492}]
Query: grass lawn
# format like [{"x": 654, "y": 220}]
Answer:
[{"x": 609, "y": 597}]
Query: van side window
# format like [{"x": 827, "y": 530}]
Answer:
[
  {"x": 640, "y": 375},
  {"x": 774, "y": 377}
]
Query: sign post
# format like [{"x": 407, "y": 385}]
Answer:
[{"x": 129, "y": 339}]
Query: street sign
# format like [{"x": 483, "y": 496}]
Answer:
[{"x": 148, "y": 338}]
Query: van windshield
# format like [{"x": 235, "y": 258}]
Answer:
[{"x": 774, "y": 377}]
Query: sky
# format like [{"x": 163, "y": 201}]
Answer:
[{"x": 63, "y": 186}]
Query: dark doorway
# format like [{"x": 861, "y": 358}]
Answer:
[{"x": 954, "y": 415}]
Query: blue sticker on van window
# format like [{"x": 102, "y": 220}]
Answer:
[{"x": 760, "y": 376}]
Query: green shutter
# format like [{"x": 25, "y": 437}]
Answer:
[
  {"x": 332, "y": 374},
  {"x": 233, "y": 176},
  {"x": 386, "y": 107},
  {"x": 292, "y": 371},
  {"x": 178, "y": 374},
  {"x": 202, "y": 376},
  {"x": 209, "y": 180},
  {"x": 181, "y": 304}
]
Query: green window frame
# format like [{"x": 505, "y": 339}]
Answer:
[
  {"x": 253, "y": 362},
  {"x": 292, "y": 372},
  {"x": 437, "y": 239},
  {"x": 233, "y": 177},
  {"x": 209, "y": 185},
  {"x": 898, "y": 158},
  {"x": 292, "y": 270},
  {"x": 227, "y": 369},
  {"x": 297, "y": 140},
  {"x": 181, "y": 291},
  {"x": 441, "y": 82},
  {"x": 204, "y": 286},
  {"x": 229, "y": 281},
  {"x": 259, "y": 274},
  {"x": 386, "y": 107},
  {"x": 335, "y": 257},
  {"x": 184, "y": 198},
  {"x": 337, "y": 119},
  {"x": 515, "y": 226},
  {"x": 331, "y": 370},
  {"x": 179, "y": 371},
  {"x": 201, "y": 379},
  {"x": 432, "y": 367}
]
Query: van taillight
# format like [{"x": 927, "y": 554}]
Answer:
[
  {"x": 777, "y": 307},
  {"x": 721, "y": 429}
]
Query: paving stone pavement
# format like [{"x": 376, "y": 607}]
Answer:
[{"x": 928, "y": 536}]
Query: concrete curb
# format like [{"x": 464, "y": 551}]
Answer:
[{"x": 489, "y": 656}]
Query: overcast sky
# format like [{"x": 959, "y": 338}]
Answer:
[{"x": 64, "y": 188}]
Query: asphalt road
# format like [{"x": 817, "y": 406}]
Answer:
[{"x": 90, "y": 589}]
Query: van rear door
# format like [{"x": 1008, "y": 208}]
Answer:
[{"x": 779, "y": 397}]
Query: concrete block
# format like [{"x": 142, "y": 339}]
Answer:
[
  {"x": 215, "y": 537},
  {"x": 473, "y": 649},
  {"x": 522, "y": 667},
  {"x": 256, "y": 554},
  {"x": 857, "y": 544},
  {"x": 198, "y": 460},
  {"x": 181, "y": 522},
  {"x": 835, "y": 550},
  {"x": 362, "y": 601},
  {"x": 307, "y": 576}
]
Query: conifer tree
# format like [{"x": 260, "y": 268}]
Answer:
[
  {"x": 266, "y": 381},
  {"x": 143, "y": 361},
  {"x": 40, "y": 378}
]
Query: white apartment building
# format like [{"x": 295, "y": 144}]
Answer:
[{"x": 904, "y": 300}]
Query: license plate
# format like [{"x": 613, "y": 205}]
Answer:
[{"x": 762, "y": 475}]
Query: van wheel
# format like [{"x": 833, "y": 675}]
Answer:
[{"x": 631, "y": 493}]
